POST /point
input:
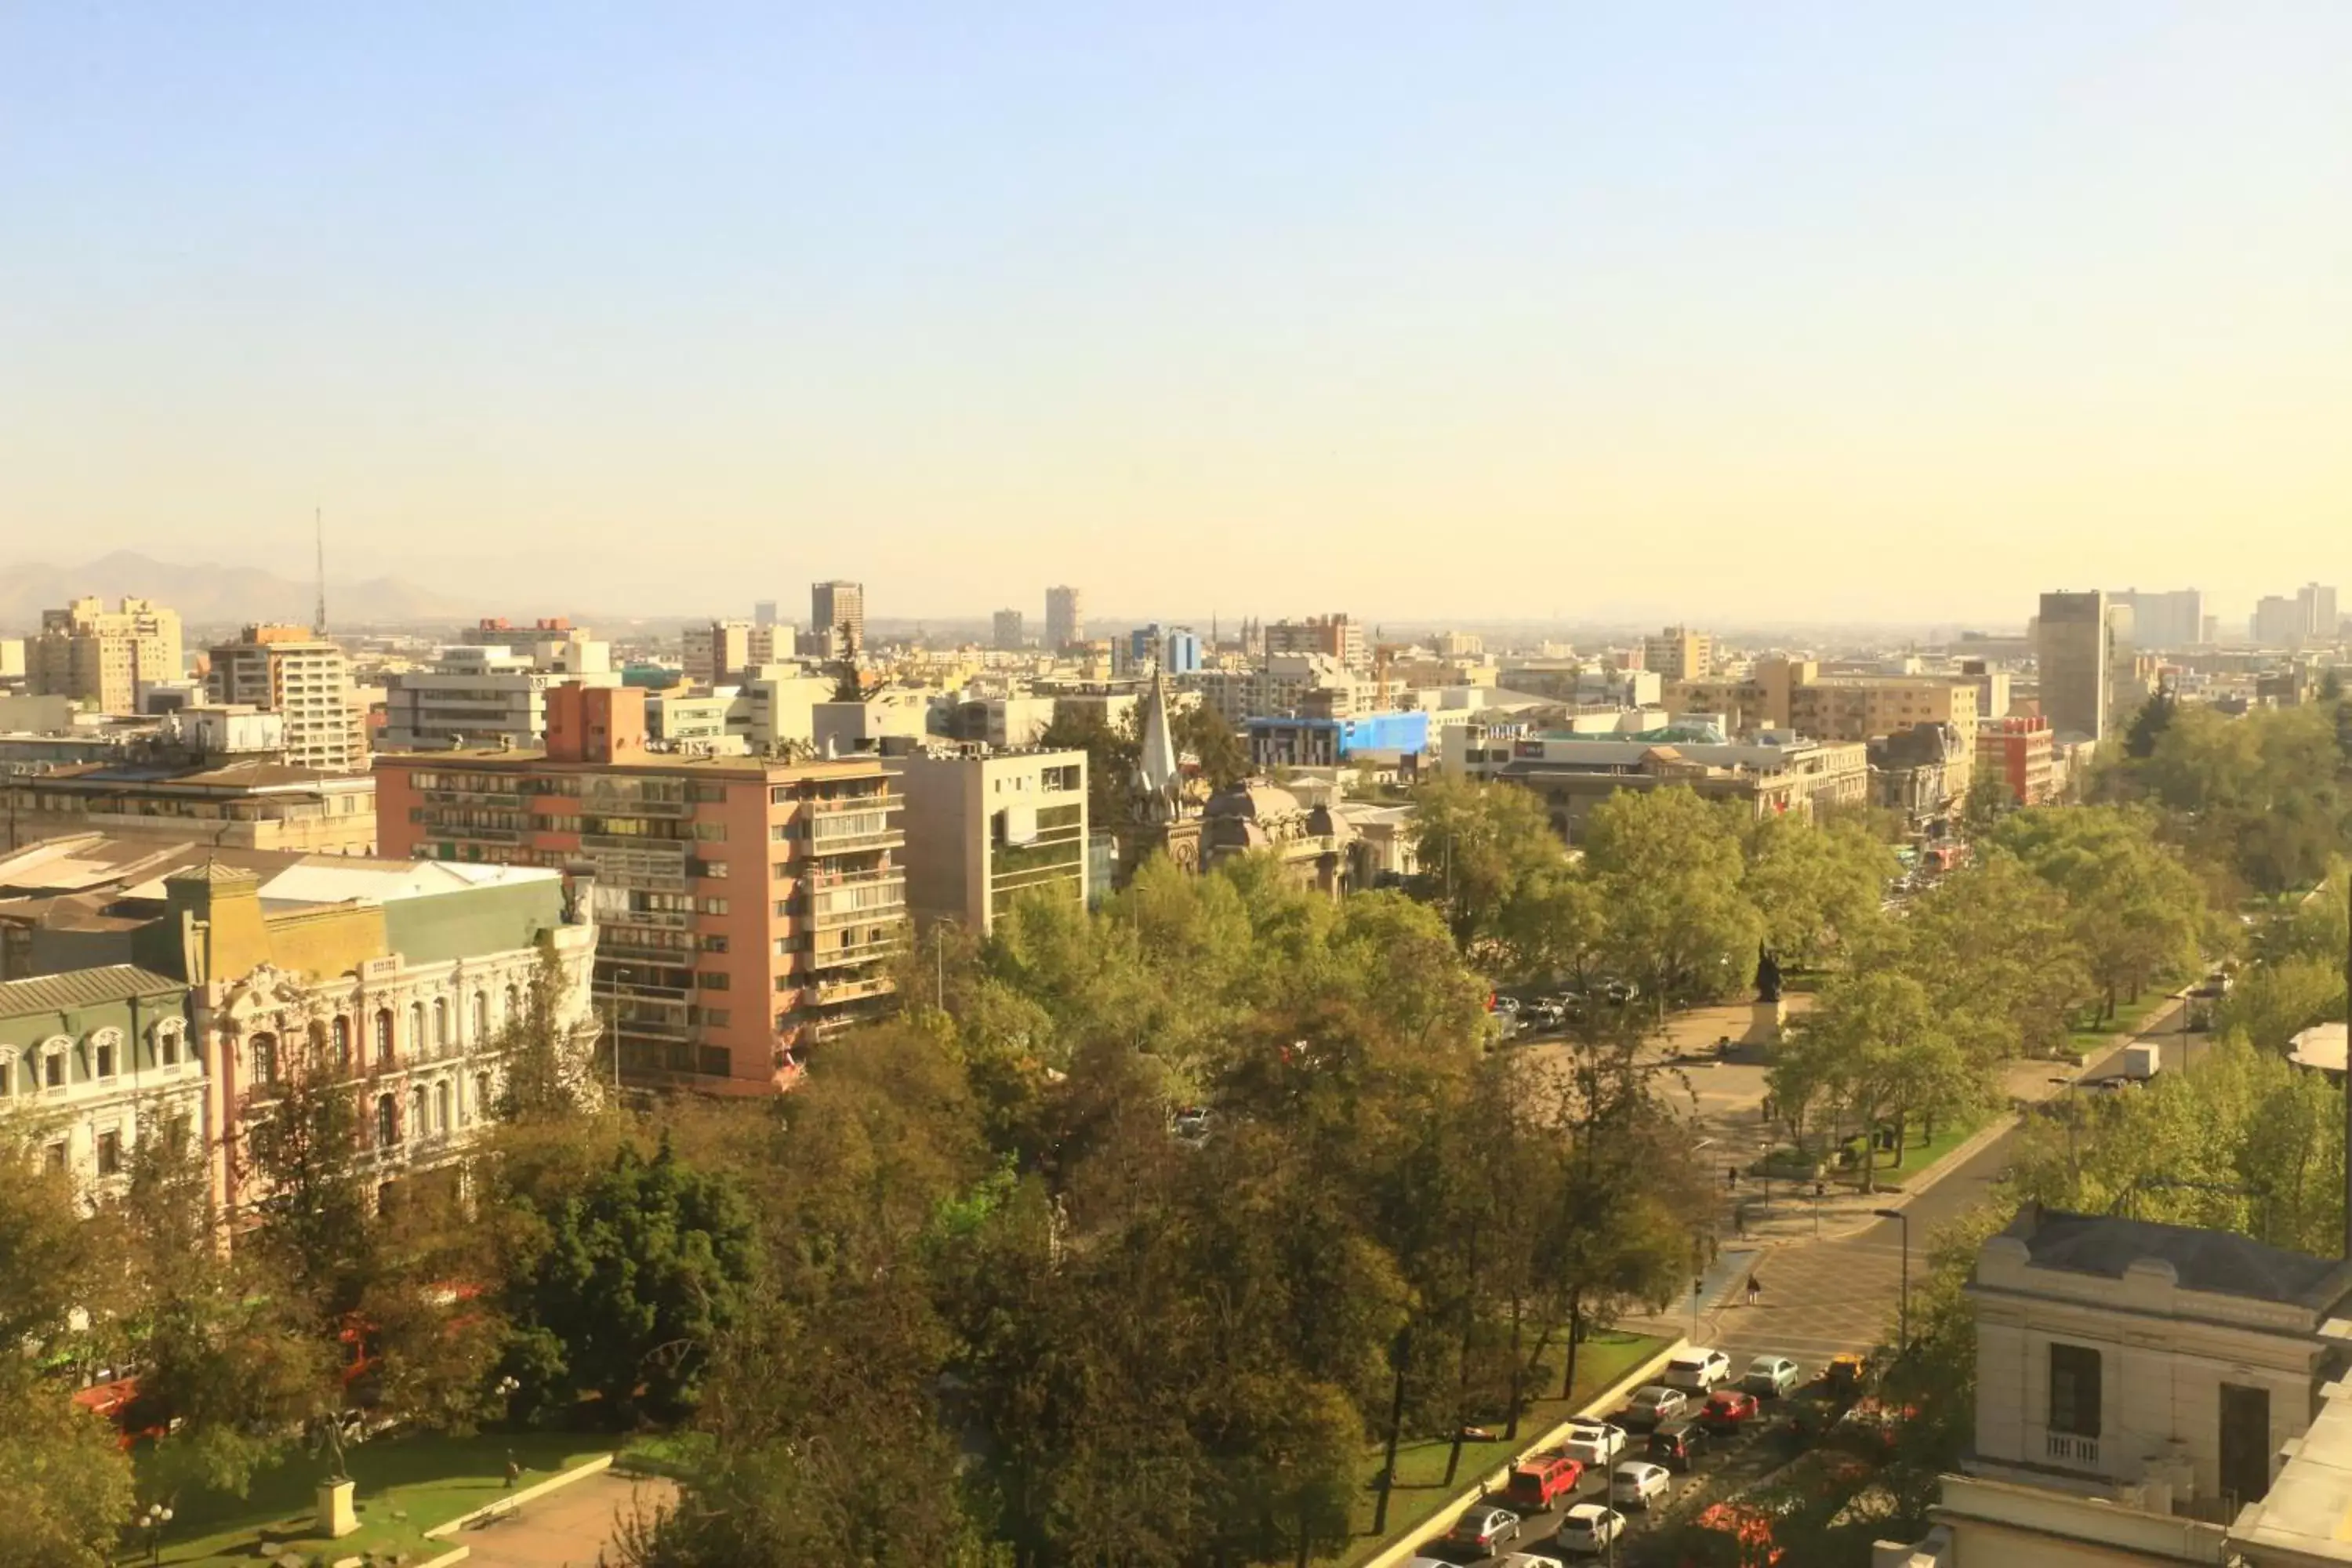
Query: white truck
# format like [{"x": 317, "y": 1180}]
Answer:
[{"x": 2142, "y": 1062}]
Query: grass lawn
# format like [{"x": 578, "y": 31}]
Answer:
[
  {"x": 1922, "y": 1151},
  {"x": 2131, "y": 1017},
  {"x": 1421, "y": 1488},
  {"x": 406, "y": 1486}
]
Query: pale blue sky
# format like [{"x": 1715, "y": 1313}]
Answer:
[{"x": 1856, "y": 309}]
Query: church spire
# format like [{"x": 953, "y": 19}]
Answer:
[{"x": 1159, "y": 775}]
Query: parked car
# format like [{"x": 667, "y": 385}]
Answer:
[
  {"x": 1530, "y": 1560},
  {"x": 1697, "y": 1371},
  {"x": 1653, "y": 1404},
  {"x": 1771, "y": 1377},
  {"x": 1596, "y": 1443},
  {"x": 1678, "y": 1444},
  {"x": 1638, "y": 1483},
  {"x": 1536, "y": 1483},
  {"x": 1192, "y": 1122},
  {"x": 1727, "y": 1410},
  {"x": 1507, "y": 1004},
  {"x": 1621, "y": 992},
  {"x": 1484, "y": 1527},
  {"x": 1588, "y": 1529}
]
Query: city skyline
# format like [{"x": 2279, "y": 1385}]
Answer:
[{"x": 1665, "y": 315}]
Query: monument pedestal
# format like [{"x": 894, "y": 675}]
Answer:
[
  {"x": 1764, "y": 1021},
  {"x": 336, "y": 1518}
]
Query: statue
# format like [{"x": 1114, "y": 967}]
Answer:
[{"x": 1767, "y": 974}]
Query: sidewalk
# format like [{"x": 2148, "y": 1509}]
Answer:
[{"x": 1845, "y": 1212}]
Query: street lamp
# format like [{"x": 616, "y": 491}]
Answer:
[
  {"x": 1905, "y": 1219},
  {"x": 619, "y": 977},
  {"x": 153, "y": 1522}
]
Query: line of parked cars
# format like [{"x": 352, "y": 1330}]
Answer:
[{"x": 1662, "y": 1430}]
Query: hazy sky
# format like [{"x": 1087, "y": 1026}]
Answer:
[{"x": 1899, "y": 309}]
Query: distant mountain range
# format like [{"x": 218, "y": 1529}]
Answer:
[{"x": 213, "y": 595}]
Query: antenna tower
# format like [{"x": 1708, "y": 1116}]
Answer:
[{"x": 318, "y": 534}]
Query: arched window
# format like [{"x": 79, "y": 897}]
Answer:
[
  {"x": 387, "y": 1121},
  {"x": 441, "y": 1023},
  {"x": 481, "y": 1018},
  {"x": 384, "y": 1037},
  {"x": 416, "y": 1028},
  {"x": 482, "y": 1094},
  {"x": 416, "y": 1111},
  {"x": 514, "y": 1007},
  {"x": 440, "y": 1108},
  {"x": 171, "y": 1039},
  {"x": 264, "y": 1052},
  {"x": 340, "y": 1029}
]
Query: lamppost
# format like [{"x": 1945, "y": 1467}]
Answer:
[
  {"x": 613, "y": 995},
  {"x": 153, "y": 1522},
  {"x": 2073, "y": 1165},
  {"x": 1905, "y": 1330}
]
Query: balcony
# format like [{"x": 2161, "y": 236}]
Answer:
[
  {"x": 862, "y": 952},
  {"x": 832, "y": 993},
  {"x": 844, "y": 900},
  {"x": 2071, "y": 1450},
  {"x": 632, "y": 841},
  {"x": 507, "y": 798}
]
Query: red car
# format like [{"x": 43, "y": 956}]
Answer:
[
  {"x": 1536, "y": 1483},
  {"x": 1727, "y": 1410}
]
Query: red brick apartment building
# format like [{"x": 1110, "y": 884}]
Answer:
[
  {"x": 746, "y": 909},
  {"x": 2017, "y": 751}
]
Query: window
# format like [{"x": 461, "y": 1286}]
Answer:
[
  {"x": 1062, "y": 778},
  {"x": 167, "y": 1046},
  {"x": 714, "y": 906},
  {"x": 54, "y": 1157},
  {"x": 387, "y": 1121},
  {"x": 416, "y": 1026},
  {"x": 441, "y": 1107},
  {"x": 714, "y": 943},
  {"x": 110, "y": 1153},
  {"x": 339, "y": 1030},
  {"x": 264, "y": 1059},
  {"x": 2074, "y": 1390},
  {"x": 102, "y": 1053},
  {"x": 383, "y": 1036},
  {"x": 481, "y": 1017},
  {"x": 481, "y": 1092},
  {"x": 713, "y": 980},
  {"x": 785, "y": 982},
  {"x": 715, "y": 1017},
  {"x": 417, "y": 1112},
  {"x": 513, "y": 1014},
  {"x": 780, "y": 870},
  {"x": 7, "y": 1077},
  {"x": 784, "y": 909},
  {"x": 441, "y": 1021},
  {"x": 710, "y": 832},
  {"x": 713, "y": 869}
]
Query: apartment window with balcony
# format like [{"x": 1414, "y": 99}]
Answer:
[{"x": 2075, "y": 1391}]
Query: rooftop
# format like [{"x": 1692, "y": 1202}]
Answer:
[
  {"x": 2214, "y": 1262},
  {"x": 81, "y": 988},
  {"x": 536, "y": 760}
]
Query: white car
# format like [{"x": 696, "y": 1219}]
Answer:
[
  {"x": 1697, "y": 1371},
  {"x": 1530, "y": 1560},
  {"x": 1594, "y": 1443},
  {"x": 1636, "y": 1484},
  {"x": 1588, "y": 1530},
  {"x": 1771, "y": 1377}
]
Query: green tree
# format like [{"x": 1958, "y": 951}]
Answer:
[
  {"x": 66, "y": 1487},
  {"x": 310, "y": 1227},
  {"x": 622, "y": 1283},
  {"x": 1202, "y": 733},
  {"x": 1814, "y": 886},
  {"x": 1993, "y": 944},
  {"x": 1483, "y": 851},
  {"x": 1872, "y": 1048},
  {"x": 2135, "y": 911},
  {"x": 1667, "y": 866},
  {"x": 1112, "y": 749},
  {"x": 2274, "y": 1002}
]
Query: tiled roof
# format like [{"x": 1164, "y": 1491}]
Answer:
[{"x": 81, "y": 988}]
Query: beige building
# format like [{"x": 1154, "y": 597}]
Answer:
[
  {"x": 1862, "y": 707},
  {"x": 2148, "y": 1393},
  {"x": 1679, "y": 653},
  {"x": 246, "y": 802},
  {"x": 101, "y": 656},
  {"x": 1066, "y": 617},
  {"x": 984, "y": 827},
  {"x": 302, "y": 677}
]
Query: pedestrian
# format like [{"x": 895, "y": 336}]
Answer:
[
  {"x": 1755, "y": 1289},
  {"x": 514, "y": 1470}
]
